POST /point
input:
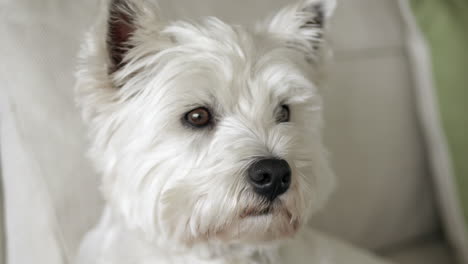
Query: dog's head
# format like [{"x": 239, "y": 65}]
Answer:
[{"x": 207, "y": 131}]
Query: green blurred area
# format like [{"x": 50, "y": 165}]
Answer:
[{"x": 445, "y": 25}]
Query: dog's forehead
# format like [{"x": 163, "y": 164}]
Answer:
[
  {"x": 215, "y": 64},
  {"x": 238, "y": 63}
]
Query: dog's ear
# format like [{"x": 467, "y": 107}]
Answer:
[
  {"x": 121, "y": 26},
  {"x": 125, "y": 18},
  {"x": 302, "y": 25}
]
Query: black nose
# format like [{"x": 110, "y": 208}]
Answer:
[{"x": 270, "y": 177}]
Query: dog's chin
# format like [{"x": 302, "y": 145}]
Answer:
[{"x": 264, "y": 223}]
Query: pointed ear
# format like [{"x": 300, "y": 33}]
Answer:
[
  {"x": 121, "y": 26},
  {"x": 125, "y": 18},
  {"x": 302, "y": 25}
]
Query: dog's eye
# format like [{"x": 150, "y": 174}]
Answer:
[
  {"x": 283, "y": 114},
  {"x": 198, "y": 117}
]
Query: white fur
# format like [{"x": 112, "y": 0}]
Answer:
[{"x": 175, "y": 194}]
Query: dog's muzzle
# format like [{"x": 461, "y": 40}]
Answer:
[{"x": 270, "y": 177}]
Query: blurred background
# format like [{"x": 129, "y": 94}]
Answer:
[{"x": 395, "y": 111}]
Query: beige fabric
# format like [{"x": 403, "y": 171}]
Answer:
[
  {"x": 50, "y": 191},
  {"x": 435, "y": 251},
  {"x": 2, "y": 216},
  {"x": 384, "y": 196}
]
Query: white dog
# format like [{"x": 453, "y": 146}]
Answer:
[{"x": 207, "y": 136}]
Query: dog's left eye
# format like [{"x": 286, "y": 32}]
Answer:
[
  {"x": 283, "y": 114},
  {"x": 199, "y": 117}
]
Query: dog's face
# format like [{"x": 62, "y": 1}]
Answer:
[{"x": 207, "y": 131}]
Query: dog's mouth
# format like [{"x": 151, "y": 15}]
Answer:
[
  {"x": 252, "y": 211},
  {"x": 264, "y": 209},
  {"x": 260, "y": 221}
]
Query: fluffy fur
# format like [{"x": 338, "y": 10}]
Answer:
[{"x": 176, "y": 194}]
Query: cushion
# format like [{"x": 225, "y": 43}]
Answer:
[
  {"x": 50, "y": 191},
  {"x": 434, "y": 250}
]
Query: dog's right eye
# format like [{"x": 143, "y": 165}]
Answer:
[{"x": 199, "y": 117}]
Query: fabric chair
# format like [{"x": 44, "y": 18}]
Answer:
[{"x": 385, "y": 203}]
